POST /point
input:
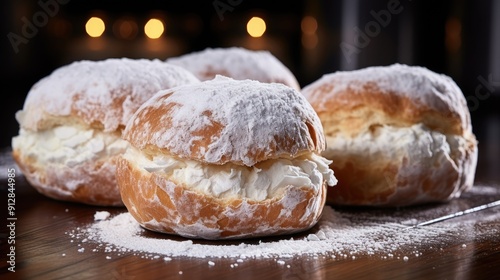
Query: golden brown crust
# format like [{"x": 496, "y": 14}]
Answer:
[
  {"x": 161, "y": 205},
  {"x": 91, "y": 183}
]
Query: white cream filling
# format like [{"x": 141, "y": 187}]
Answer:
[
  {"x": 264, "y": 180},
  {"x": 417, "y": 142},
  {"x": 68, "y": 145}
]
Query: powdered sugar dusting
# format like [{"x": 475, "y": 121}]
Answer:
[
  {"x": 236, "y": 63},
  {"x": 436, "y": 91},
  {"x": 339, "y": 234},
  {"x": 107, "y": 91},
  {"x": 226, "y": 120}
]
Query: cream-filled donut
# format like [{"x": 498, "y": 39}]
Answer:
[
  {"x": 397, "y": 135},
  {"x": 225, "y": 158},
  {"x": 71, "y": 124}
]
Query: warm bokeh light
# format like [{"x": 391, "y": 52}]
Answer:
[
  {"x": 95, "y": 27},
  {"x": 309, "y": 25},
  {"x": 154, "y": 28},
  {"x": 256, "y": 27}
]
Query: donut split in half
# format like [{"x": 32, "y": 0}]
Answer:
[
  {"x": 71, "y": 124},
  {"x": 397, "y": 135},
  {"x": 225, "y": 159}
]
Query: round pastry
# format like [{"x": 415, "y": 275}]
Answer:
[
  {"x": 71, "y": 124},
  {"x": 225, "y": 159},
  {"x": 397, "y": 135},
  {"x": 237, "y": 63}
]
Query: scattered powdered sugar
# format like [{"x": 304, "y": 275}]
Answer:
[
  {"x": 341, "y": 233},
  {"x": 101, "y": 215}
]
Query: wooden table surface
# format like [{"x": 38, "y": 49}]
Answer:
[{"x": 44, "y": 250}]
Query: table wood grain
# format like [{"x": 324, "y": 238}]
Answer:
[{"x": 44, "y": 250}]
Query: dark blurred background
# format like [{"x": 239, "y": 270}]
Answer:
[{"x": 456, "y": 37}]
